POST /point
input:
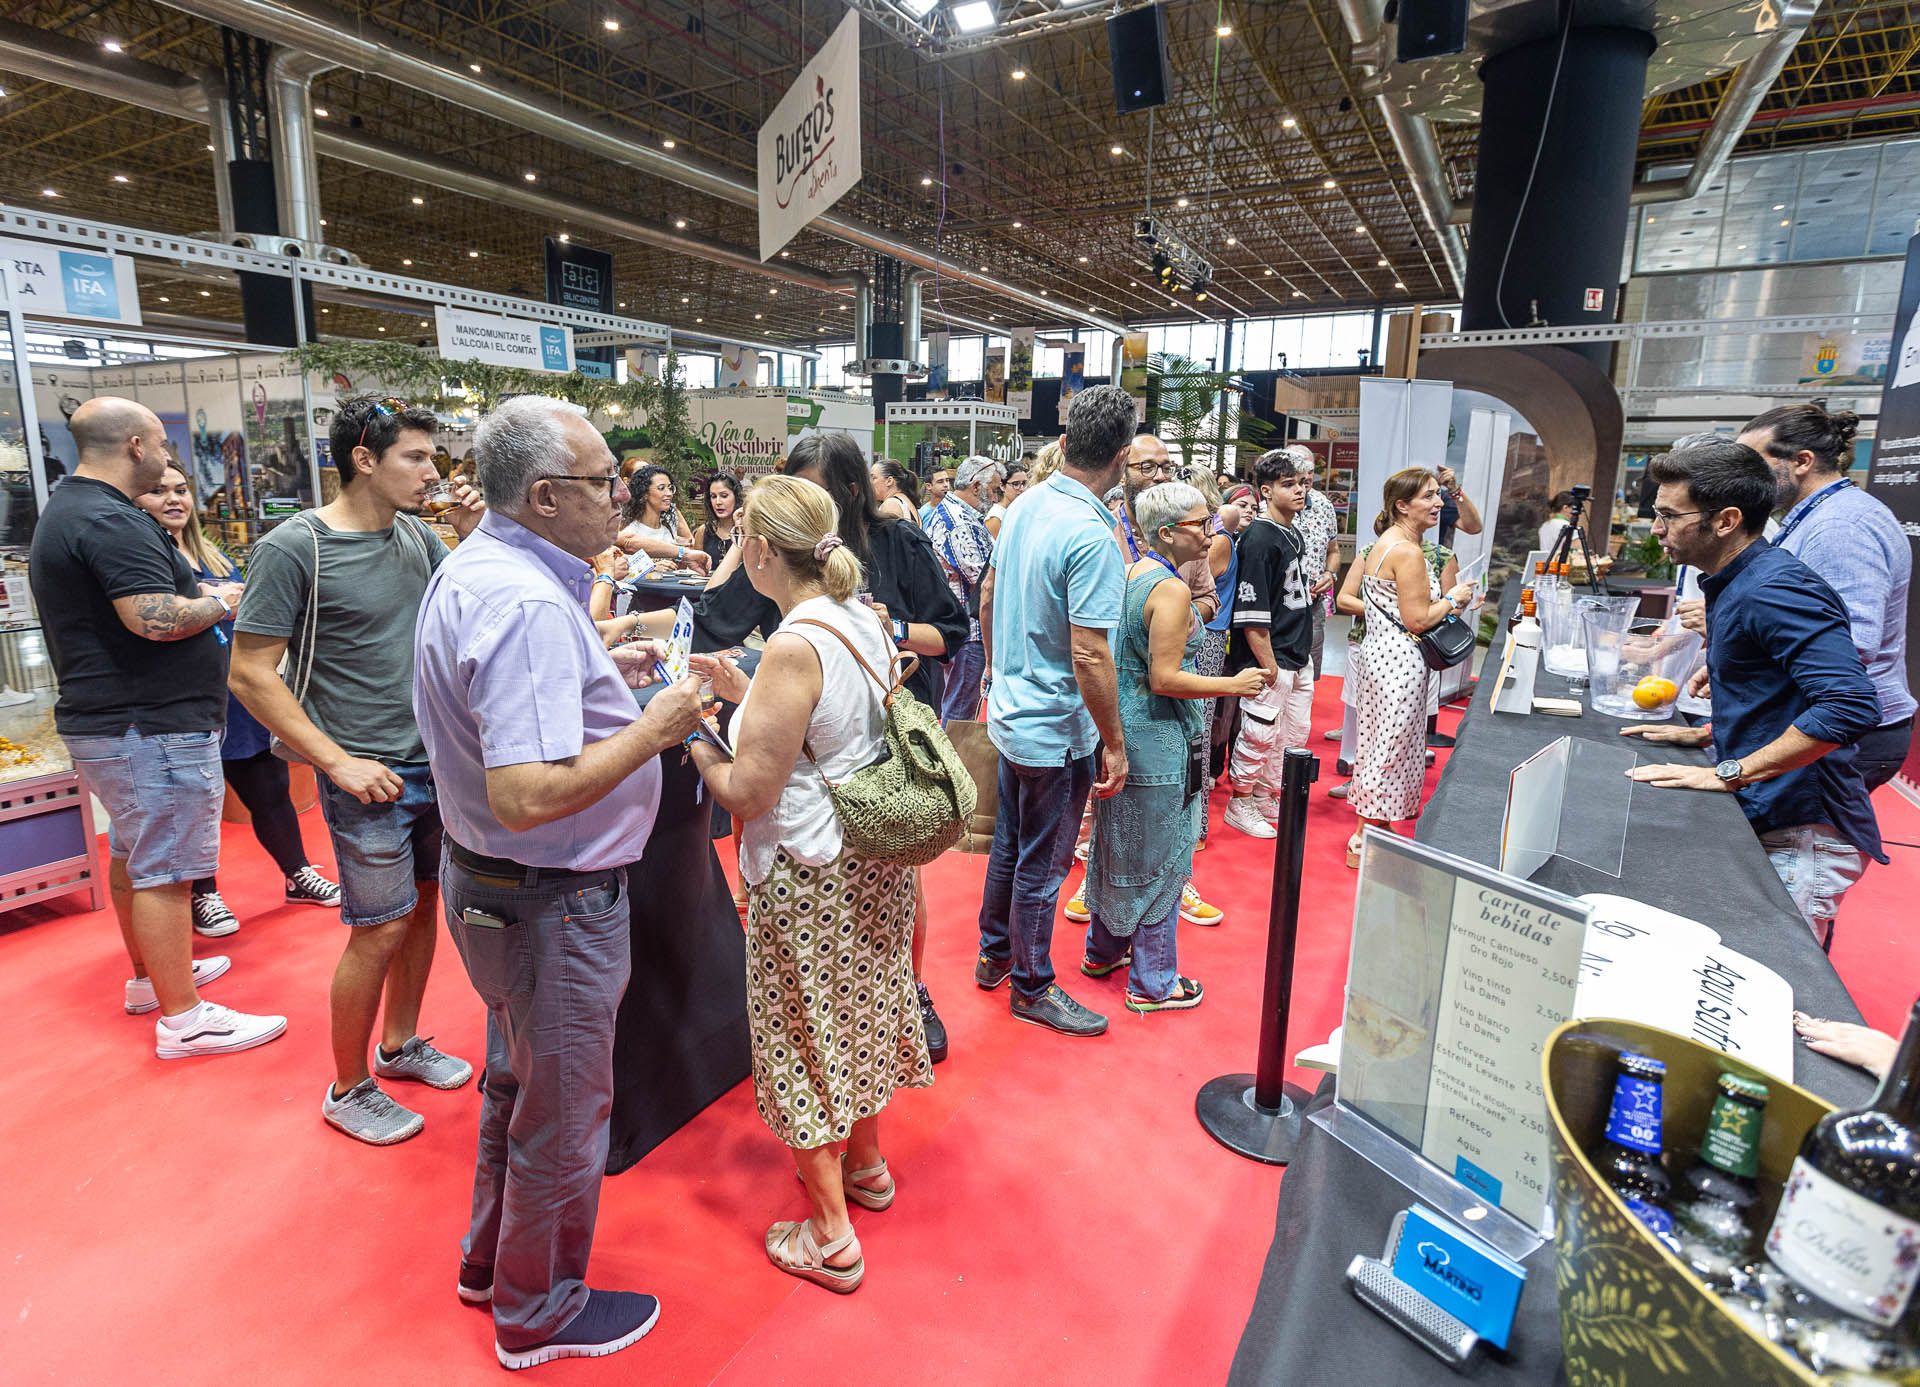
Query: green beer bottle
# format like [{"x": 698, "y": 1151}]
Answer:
[{"x": 1713, "y": 1206}]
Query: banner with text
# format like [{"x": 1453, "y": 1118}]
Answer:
[
  {"x": 1893, "y": 475},
  {"x": 70, "y": 282},
  {"x": 1020, "y": 372},
  {"x": 1073, "y": 375},
  {"x": 501, "y": 341},
  {"x": 810, "y": 145},
  {"x": 994, "y": 371},
  {"x": 581, "y": 277},
  {"x": 1133, "y": 371},
  {"x": 937, "y": 388}
]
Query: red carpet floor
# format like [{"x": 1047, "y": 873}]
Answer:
[{"x": 1062, "y": 1216}]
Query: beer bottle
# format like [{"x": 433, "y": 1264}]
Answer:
[
  {"x": 1714, "y": 1207},
  {"x": 1629, "y": 1160}
]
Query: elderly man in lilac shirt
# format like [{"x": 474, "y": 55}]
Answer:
[{"x": 548, "y": 789}]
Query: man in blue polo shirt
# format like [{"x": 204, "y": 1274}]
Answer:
[
  {"x": 1053, "y": 701},
  {"x": 1790, "y": 696}
]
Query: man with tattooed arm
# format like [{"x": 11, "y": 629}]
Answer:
[{"x": 135, "y": 640}]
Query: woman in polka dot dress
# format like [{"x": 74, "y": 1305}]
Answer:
[
  {"x": 831, "y": 1006},
  {"x": 1403, "y": 597}
]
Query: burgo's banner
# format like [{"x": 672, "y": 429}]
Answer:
[{"x": 810, "y": 145}]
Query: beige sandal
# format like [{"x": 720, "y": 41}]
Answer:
[
  {"x": 860, "y": 1189},
  {"x": 865, "y": 1195},
  {"x": 794, "y": 1249}
]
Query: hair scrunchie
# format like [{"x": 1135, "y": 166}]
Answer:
[{"x": 827, "y": 544}]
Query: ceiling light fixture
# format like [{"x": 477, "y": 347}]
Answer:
[
  {"x": 1179, "y": 202},
  {"x": 1267, "y": 273},
  {"x": 1299, "y": 294},
  {"x": 49, "y": 192},
  {"x": 565, "y": 238},
  {"x": 530, "y": 176},
  {"x": 473, "y": 68},
  {"x": 758, "y": 316},
  {"x": 973, "y": 16},
  {"x": 1328, "y": 183},
  {"x": 1288, "y": 122},
  {"x": 1224, "y": 31},
  {"x": 774, "y": 292},
  {"x": 699, "y": 320},
  {"x": 419, "y": 201},
  {"x": 1233, "y": 241},
  {"x": 1015, "y": 225},
  {"x": 406, "y": 262},
  {"x": 112, "y": 46},
  {"x": 669, "y": 143},
  {"x": 1398, "y": 285},
  {"x": 209, "y": 149},
  {"x": 1116, "y": 150},
  {"x": 926, "y": 181},
  {"x": 680, "y": 223},
  {"x": 165, "y": 299},
  {"x": 783, "y": 255},
  {"x": 612, "y": 26},
  {"x": 206, "y": 293},
  {"x": 1779, "y": 206},
  {"x": 685, "y": 299},
  {"x": 120, "y": 178},
  {"x": 473, "y": 255},
  {"x": 1083, "y": 260},
  {"x": 1019, "y": 74},
  {"x": 1383, "y": 262},
  {"x": 322, "y": 112},
  {"x": 623, "y": 303}
]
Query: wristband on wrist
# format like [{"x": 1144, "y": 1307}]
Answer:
[
  {"x": 606, "y": 578},
  {"x": 221, "y": 598},
  {"x": 899, "y": 632}
]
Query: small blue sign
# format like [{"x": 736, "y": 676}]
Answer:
[
  {"x": 1464, "y": 1276},
  {"x": 1477, "y": 1180},
  {"x": 599, "y": 370},
  {"x": 88, "y": 286},
  {"x": 553, "y": 349}
]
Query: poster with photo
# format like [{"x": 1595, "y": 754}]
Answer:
[
  {"x": 1073, "y": 375},
  {"x": 1020, "y": 372},
  {"x": 994, "y": 388},
  {"x": 937, "y": 365}
]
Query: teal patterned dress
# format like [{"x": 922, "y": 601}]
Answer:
[{"x": 1143, "y": 837}]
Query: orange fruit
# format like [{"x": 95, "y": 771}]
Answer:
[{"x": 1655, "y": 692}]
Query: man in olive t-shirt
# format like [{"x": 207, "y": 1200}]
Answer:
[{"x": 336, "y": 592}]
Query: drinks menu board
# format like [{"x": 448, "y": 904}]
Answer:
[{"x": 1457, "y": 976}]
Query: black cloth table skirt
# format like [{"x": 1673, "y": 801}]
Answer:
[
  {"x": 1686, "y": 851},
  {"x": 681, "y": 1037},
  {"x": 652, "y": 594}
]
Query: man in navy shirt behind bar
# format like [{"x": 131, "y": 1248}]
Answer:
[{"x": 1790, "y": 696}]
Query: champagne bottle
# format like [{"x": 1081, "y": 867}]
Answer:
[
  {"x": 1629, "y": 1161},
  {"x": 1848, "y": 1229},
  {"x": 1714, "y": 1207}
]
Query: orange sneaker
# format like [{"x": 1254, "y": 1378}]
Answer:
[{"x": 1196, "y": 911}]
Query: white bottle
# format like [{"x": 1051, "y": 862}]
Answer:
[{"x": 1514, "y": 693}]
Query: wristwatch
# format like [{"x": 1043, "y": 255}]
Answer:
[{"x": 1728, "y": 773}]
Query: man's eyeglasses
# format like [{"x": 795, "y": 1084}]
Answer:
[
  {"x": 611, "y": 481},
  {"x": 1667, "y": 517},
  {"x": 1152, "y": 469},
  {"x": 389, "y": 408}
]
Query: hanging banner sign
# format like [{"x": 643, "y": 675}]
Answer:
[
  {"x": 937, "y": 366},
  {"x": 1020, "y": 372},
  {"x": 810, "y": 145},
  {"x": 47, "y": 281},
  {"x": 1073, "y": 375},
  {"x": 1133, "y": 371},
  {"x": 994, "y": 373},
  {"x": 581, "y": 277},
  {"x": 501, "y": 341},
  {"x": 739, "y": 366}
]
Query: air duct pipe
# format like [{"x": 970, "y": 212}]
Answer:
[
  {"x": 1413, "y": 141},
  {"x": 212, "y": 89},
  {"x": 1738, "y": 103},
  {"x": 296, "y": 170},
  {"x": 862, "y": 285},
  {"x": 346, "y": 41},
  {"x": 916, "y": 303}
]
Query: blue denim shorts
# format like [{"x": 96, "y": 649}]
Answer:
[
  {"x": 383, "y": 850},
  {"x": 164, "y": 794}
]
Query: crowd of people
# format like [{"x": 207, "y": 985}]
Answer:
[{"x": 1128, "y": 632}]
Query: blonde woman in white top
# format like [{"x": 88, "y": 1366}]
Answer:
[{"x": 833, "y": 1013}]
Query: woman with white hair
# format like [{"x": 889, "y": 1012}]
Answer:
[{"x": 1143, "y": 836}]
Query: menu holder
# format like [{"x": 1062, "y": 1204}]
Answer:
[
  {"x": 1458, "y": 974},
  {"x": 1570, "y": 799}
]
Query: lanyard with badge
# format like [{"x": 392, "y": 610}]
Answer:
[{"x": 1813, "y": 504}]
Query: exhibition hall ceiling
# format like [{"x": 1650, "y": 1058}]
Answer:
[{"x": 1007, "y": 159}]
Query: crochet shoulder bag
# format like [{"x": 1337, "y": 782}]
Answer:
[{"x": 911, "y": 804}]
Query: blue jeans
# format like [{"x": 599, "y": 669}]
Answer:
[
  {"x": 1040, "y": 808},
  {"x": 383, "y": 850},
  {"x": 1155, "y": 969},
  {"x": 962, "y": 697},
  {"x": 551, "y": 979},
  {"x": 1816, "y": 865},
  {"x": 163, "y": 796}
]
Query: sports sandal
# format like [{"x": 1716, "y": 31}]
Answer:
[
  {"x": 863, "y": 1194},
  {"x": 1185, "y": 996},
  {"x": 1100, "y": 970},
  {"x": 793, "y": 1248},
  {"x": 861, "y": 1189}
]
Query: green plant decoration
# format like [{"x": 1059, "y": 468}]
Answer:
[
  {"x": 1182, "y": 395},
  {"x": 1651, "y": 555}
]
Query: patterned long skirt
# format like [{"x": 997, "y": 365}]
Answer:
[{"x": 831, "y": 1005}]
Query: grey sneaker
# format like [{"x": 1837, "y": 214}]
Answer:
[
  {"x": 423, "y": 1064},
  {"x": 364, "y": 1112}
]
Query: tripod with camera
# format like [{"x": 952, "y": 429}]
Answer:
[{"x": 1573, "y": 534}]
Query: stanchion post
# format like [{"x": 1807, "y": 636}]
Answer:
[{"x": 1260, "y": 1114}]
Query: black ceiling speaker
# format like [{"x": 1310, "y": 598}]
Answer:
[
  {"x": 1430, "y": 28},
  {"x": 1137, "y": 50}
]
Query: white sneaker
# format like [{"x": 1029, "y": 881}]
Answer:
[
  {"x": 1332, "y": 734},
  {"x": 1268, "y": 806},
  {"x": 1243, "y": 813},
  {"x": 140, "y": 998},
  {"x": 210, "y": 1029}
]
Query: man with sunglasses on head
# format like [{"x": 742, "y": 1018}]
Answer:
[
  {"x": 1790, "y": 695},
  {"x": 334, "y": 593},
  {"x": 552, "y": 783}
]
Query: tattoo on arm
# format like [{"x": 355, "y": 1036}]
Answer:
[{"x": 163, "y": 616}]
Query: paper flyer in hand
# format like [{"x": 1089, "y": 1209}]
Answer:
[{"x": 680, "y": 643}]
